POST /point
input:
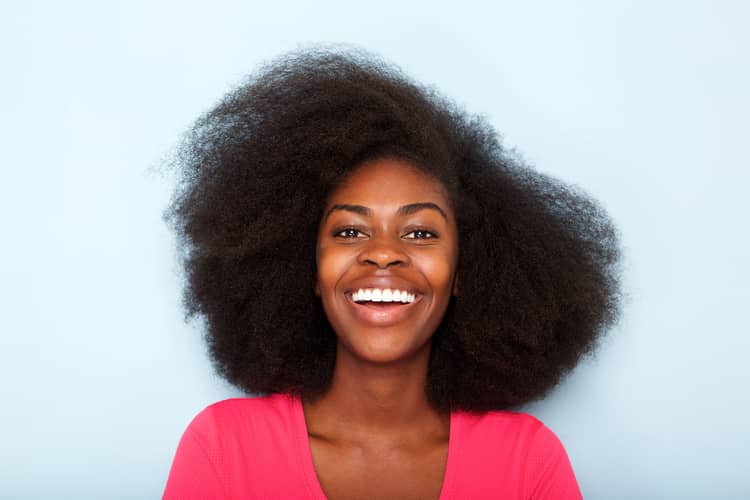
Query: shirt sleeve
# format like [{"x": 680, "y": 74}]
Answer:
[
  {"x": 549, "y": 474},
  {"x": 195, "y": 471}
]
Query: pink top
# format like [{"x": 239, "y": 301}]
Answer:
[{"x": 259, "y": 448}]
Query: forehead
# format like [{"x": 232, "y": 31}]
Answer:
[{"x": 389, "y": 181}]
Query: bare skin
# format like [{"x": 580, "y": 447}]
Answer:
[{"x": 374, "y": 435}]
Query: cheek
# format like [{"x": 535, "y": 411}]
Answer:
[
  {"x": 331, "y": 265},
  {"x": 439, "y": 270}
]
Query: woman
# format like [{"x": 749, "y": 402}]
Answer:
[{"x": 368, "y": 257}]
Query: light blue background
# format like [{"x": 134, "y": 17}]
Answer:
[{"x": 644, "y": 104}]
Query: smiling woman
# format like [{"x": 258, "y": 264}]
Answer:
[
  {"x": 368, "y": 241},
  {"x": 368, "y": 258}
]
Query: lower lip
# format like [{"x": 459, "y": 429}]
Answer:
[{"x": 382, "y": 315}]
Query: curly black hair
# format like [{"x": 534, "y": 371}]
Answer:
[{"x": 538, "y": 260}]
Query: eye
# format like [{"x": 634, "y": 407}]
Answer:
[
  {"x": 420, "y": 234},
  {"x": 349, "y": 233}
]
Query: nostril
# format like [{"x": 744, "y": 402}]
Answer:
[
  {"x": 384, "y": 263},
  {"x": 383, "y": 255}
]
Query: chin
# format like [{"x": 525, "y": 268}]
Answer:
[{"x": 384, "y": 350}]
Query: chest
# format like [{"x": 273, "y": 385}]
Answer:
[{"x": 380, "y": 474}]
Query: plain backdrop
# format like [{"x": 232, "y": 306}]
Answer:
[{"x": 642, "y": 103}]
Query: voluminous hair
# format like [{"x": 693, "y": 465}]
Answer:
[{"x": 538, "y": 261}]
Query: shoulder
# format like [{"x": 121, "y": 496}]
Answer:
[
  {"x": 519, "y": 434},
  {"x": 254, "y": 407},
  {"x": 517, "y": 447},
  {"x": 499, "y": 425},
  {"x": 500, "y": 419},
  {"x": 242, "y": 416},
  {"x": 239, "y": 448}
]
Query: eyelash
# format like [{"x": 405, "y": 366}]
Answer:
[
  {"x": 427, "y": 235},
  {"x": 339, "y": 233},
  {"x": 346, "y": 234}
]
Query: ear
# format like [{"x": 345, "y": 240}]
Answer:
[
  {"x": 455, "y": 285},
  {"x": 317, "y": 289}
]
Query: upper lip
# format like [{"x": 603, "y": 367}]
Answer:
[{"x": 392, "y": 282}]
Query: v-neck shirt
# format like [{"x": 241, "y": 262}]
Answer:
[{"x": 258, "y": 448}]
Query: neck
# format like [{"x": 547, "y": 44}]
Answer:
[{"x": 369, "y": 399}]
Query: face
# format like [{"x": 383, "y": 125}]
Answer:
[{"x": 387, "y": 252}]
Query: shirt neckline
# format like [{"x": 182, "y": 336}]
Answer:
[{"x": 308, "y": 468}]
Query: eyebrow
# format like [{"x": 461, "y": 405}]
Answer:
[{"x": 402, "y": 211}]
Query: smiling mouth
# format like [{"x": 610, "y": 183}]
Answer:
[
  {"x": 377, "y": 296},
  {"x": 384, "y": 310}
]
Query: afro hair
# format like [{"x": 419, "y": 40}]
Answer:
[{"x": 538, "y": 260}]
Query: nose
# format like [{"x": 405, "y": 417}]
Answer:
[{"x": 383, "y": 253}]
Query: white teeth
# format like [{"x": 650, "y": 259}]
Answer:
[{"x": 382, "y": 295}]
